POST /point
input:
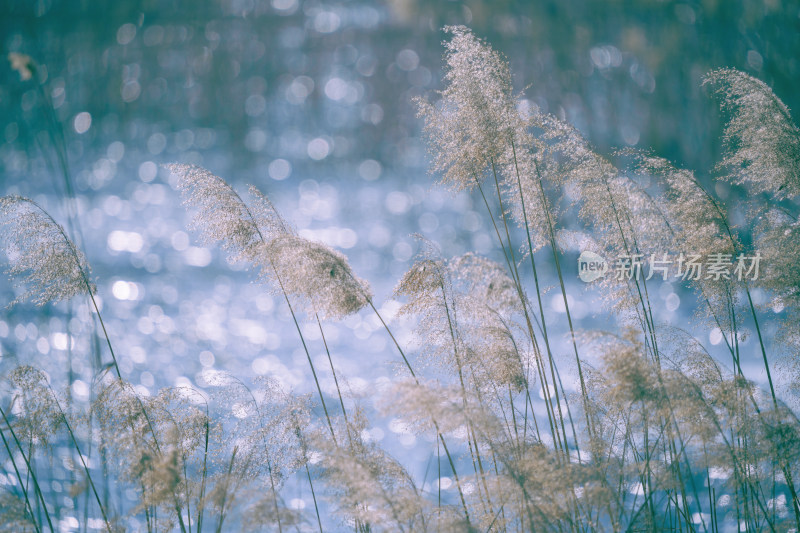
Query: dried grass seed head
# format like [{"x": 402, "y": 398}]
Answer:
[
  {"x": 42, "y": 258},
  {"x": 696, "y": 225},
  {"x": 524, "y": 175},
  {"x": 476, "y": 117},
  {"x": 425, "y": 279},
  {"x": 777, "y": 237},
  {"x": 609, "y": 202},
  {"x": 37, "y": 414},
  {"x": 317, "y": 274},
  {"x": 369, "y": 486},
  {"x": 695, "y": 219},
  {"x": 221, "y": 215},
  {"x": 488, "y": 281},
  {"x": 424, "y": 276},
  {"x": 762, "y": 142},
  {"x": 320, "y": 276}
]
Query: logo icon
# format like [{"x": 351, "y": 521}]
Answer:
[{"x": 591, "y": 266}]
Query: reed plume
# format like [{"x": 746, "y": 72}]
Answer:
[
  {"x": 762, "y": 141},
  {"x": 317, "y": 275},
  {"x": 43, "y": 261}
]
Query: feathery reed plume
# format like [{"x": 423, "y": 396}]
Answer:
[
  {"x": 371, "y": 489},
  {"x": 26, "y": 453},
  {"x": 42, "y": 254},
  {"x": 260, "y": 235},
  {"x": 266, "y": 423},
  {"x": 325, "y": 284},
  {"x": 453, "y": 300},
  {"x": 42, "y": 258},
  {"x": 720, "y": 429},
  {"x": 456, "y": 136},
  {"x": 535, "y": 485},
  {"x": 418, "y": 403},
  {"x": 675, "y": 440},
  {"x": 524, "y": 171},
  {"x": 631, "y": 376},
  {"x": 319, "y": 276},
  {"x": 36, "y": 415},
  {"x": 762, "y": 142},
  {"x": 488, "y": 281},
  {"x": 265, "y": 513},
  {"x": 474, "y": 122},
  {"x": 39, "y": 416},
  {"x": 148, "y": 449},
  {"x": 14, "y": 514},
  {"x": 489, "y": 308},
  {"x": 696, "y": 221},
  {"x": 221, "y": 215},
  {"x": 430, "y": 296},
  {"x": 700, "y": 224},
  {"x": 187, "y": 436},
  {"x": 437, "y": 406},
  {"x": 428, "y": 289},
  {"x": 545, "y": 488},
  {"x": 622, "y": 217},
  {"x": 635, "y": 445},
  {"x": 274, "y": 431},
  {"x": 472, "y": 340},
  {"x": 697, "y": 225},
  {"x": 267, "y": 446},
  {"x": 776, "y": 238}
]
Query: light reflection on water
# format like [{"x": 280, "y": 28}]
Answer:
[{"x": 311, "y": 102}]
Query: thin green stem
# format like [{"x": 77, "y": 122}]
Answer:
[
  {"x": 30, "y": 468},
  {"x": 19, "y": 480}
]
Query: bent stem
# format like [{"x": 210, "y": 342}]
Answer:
[
  {"x": 286, "y": 298},
  {"x": 31, "y": 471},
  {"x": 540, "y": 367},
  {"x": 553, "y": 247},
  {"x": 433, "y": 419},
  {"x": 89, "y": 291},
  {"x": 83, "y": 461},
  {"x": 335, "y": 379},
  {"x": 751, "y": 307},
  {"x": 19, "y": 480}
]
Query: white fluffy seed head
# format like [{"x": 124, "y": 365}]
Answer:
[
  {"x": 319, "y": 276},
  {"x": 42, "y": 259},
  {"x": 220, "y": 213},
  {"x": 471, "y": 125},
  {"x": 762, "y": 142}
]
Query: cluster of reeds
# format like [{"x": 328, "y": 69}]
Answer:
[{"x": 637, "y": 428}]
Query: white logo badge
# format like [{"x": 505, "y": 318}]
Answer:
[{"x": 591, "y": 266}]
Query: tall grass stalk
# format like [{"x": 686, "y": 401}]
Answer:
[
  {"x": 31, "y": 471},
  {"x": 86, "y": 470},
  {"x": 22, "y": 484},
  {"x": 197, "y": 182}
]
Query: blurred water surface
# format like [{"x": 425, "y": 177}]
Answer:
[{"x": 311, "y": 101}]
